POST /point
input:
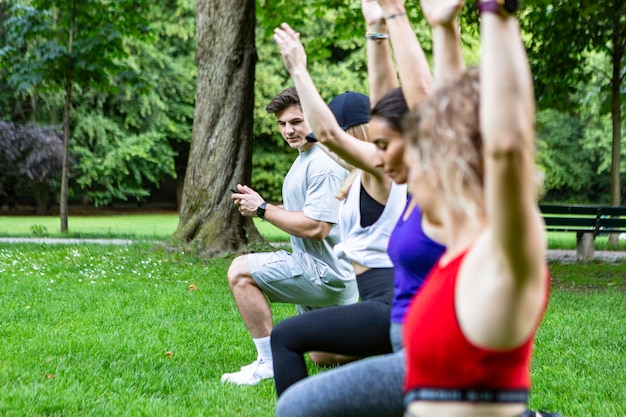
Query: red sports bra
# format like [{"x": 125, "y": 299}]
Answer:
[{"x": 440, "y": 357}]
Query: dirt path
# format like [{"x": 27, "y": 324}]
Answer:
[{"x": 560, "y": 255}]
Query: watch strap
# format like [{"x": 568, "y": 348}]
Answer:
[
  {"x": 491, "y": 6},
  {"x": 500, "y": 7},
  {"x": 260, "y": 211}
]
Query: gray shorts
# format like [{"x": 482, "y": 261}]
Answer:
[{"x": 300, "y": 279}]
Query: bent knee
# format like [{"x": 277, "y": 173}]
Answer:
[
  {"x": 287, "y": 335},
  {"x": 238, "y": 271}
]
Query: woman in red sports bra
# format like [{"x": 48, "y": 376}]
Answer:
[{"x": 469, "y": 333}]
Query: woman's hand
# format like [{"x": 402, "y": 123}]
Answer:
[
  {"x": 441, "y": 12},
  {"x": 291, "y": 49},
  {"x": 372, "y": 12},
  {"x": 391, "y": 7}
]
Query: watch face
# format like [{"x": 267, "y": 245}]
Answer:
[{"x": 511, "y": 6}]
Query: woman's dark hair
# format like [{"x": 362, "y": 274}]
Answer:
[
  {"x": 392, "y": 107},
  {"x": 288, "y": 97}
]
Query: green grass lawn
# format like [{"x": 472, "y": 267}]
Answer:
[
  {"x": 137, "y": 226},
  {"x": 161, "y": 226},
  {"x": 85, "y": 330}
]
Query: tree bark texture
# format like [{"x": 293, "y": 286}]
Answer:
[
  {"x": 65, "y": 174},
  {"x": 221, "y": 147},
  {"x": 619, "y": 39}
]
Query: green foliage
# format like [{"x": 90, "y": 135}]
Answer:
[
  {"x": 125, "y": 134},
  {"x": 121, "y": 163},
  {"x": 595, "y": 112},
  {"x": 39, "y": 230},
  {"x": 560, "y": 138},
  {"x": 127, "y": 140},
  {"x": 561, "y": 34},
  {"x": 46, "y": 38},
  {"x": 135, "y": 104}
]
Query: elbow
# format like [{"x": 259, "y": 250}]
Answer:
[
  {"x": 510, "y": 144},
  {"x": 326, "y": 134},
  {"x": 511, "y": 137},
  {"x": 319, "y": 232},
  {"x": 318, "y": 236}
]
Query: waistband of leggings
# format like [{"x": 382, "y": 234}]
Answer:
[{"x": 467, "y": 395}]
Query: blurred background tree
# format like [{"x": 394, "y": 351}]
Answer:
[{"x": 130, "y": 141}]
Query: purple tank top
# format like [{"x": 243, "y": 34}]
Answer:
[{"x": 413, "y": 255}]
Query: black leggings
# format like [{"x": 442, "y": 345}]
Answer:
[{"x": 360, "y": 329}]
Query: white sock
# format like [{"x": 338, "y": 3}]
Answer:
[{"x": 263, "y": 348}]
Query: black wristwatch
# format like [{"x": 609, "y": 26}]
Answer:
[{"x": 260, "y": 211}]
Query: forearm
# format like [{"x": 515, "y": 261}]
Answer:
[
  {"x": 319, "y": 117},
  {"x": 507, "y": 103},
  {"x": 507, "y": 112},
  {"x": 447, "y": 53},
  {"x": 380, "y": 71},
  {"x": 413, "y": 68},
  {"x": 296, "y": 223}
]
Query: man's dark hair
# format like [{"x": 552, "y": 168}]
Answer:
[
  {"x": 288, "y": 97},
  {"x": 392, "y": 107}
]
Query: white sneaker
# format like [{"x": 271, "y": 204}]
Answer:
[{"x": 250, "y": 374}]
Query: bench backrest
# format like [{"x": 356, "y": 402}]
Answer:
[{"x": 584, "y": 218}]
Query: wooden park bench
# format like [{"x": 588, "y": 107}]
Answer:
[{"x": 587, "y": 221}]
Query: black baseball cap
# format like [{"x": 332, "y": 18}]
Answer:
[{"x": 350, "y": 109}]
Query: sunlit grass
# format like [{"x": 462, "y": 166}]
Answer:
[
  {"x": 154, "y": 226},
  {"x": 161, "y": 226},
  {"x": 140, "y": 226},
  {"x": 86, "y": 331},
  {"x": 567, "y": 240}
]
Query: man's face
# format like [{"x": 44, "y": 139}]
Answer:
[{"x": 294, "y": 128}]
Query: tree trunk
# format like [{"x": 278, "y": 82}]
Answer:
[
  {"x": 221, "y": 147},
  {"x": 41, "y": 193},
  {"x": 65, "y": 174},
  {"x": 616, "y": 113}
]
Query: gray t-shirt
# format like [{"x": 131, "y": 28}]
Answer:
[{"x": 310, "y": 187}]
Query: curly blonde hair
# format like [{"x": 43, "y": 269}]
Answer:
[{"x": 445, "y": 132}]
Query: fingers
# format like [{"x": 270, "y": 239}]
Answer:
[
  {"x": 285, "y": 32},
  {"x": 247, "y": 189},
  {"x": 288, "y": 30}
]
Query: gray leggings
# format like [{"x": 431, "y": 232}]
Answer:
[{"x": 369, "y": 387}]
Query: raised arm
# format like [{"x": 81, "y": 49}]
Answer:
[
  {"x": 506, "y": 123},
  {"x": 442, "y": 16},
  {"x": 413, "y": 68},
  {"x": 381, "y": 73},
  {"x": 320, "y": 118}
]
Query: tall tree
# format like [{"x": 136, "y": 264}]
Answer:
[
  {"x": 562, "y": 34},
  {"x": 70, "y": 45},
  {"x": 221, "y": 144}
]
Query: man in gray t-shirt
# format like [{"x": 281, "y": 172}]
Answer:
[{"x": 311, "y": 276}]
